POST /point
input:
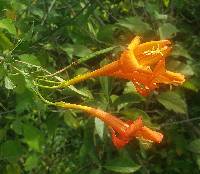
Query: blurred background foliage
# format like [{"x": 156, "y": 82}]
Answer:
[{"x": 38, "y": 37}]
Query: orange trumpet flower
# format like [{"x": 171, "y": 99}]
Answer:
[
  {"x": 121, "y": 131},
  {"x": 143, "y": 64}
]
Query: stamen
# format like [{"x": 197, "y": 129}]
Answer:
[{"x": 154, "y": 51}]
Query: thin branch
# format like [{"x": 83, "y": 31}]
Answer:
[
  {"x": 6, "y": 112},
  {"x": 61, "y": 70},
  {"x": 180, "y": 122},
  {"x": 108, "y": 11},
  {"x": 42, "y": 98}
]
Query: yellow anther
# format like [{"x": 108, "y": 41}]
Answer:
[{"x": 154, "y": 51}]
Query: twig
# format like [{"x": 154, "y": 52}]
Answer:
[
  {"x": 60, "y": 71},
  {"x": 6, "y": 112},
  {"x": 97, "y": 53},
  {"x": 110, "y": 13},
  {"x": 42, "y": 98},
  {"x": 180, "y": 122},
  {"x": 80, "y": 12}
]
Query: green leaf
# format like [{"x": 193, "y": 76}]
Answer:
[
  {"x": 167, "y": 31},
  {"x": 166, "y": 2},
  {"x": 29, "y": 58},
  {"x": 70, "y": 120},
  {"x": 134, "y": 113},
  {"x": 105, "y": 33},
  {"x": 106, "y": 85},
  {"x": 180, "y": 51},
  {"x": 33, "y": 137},
  {"x": 80, "y": 92},
  {"x": 87, "y": 148},
  {"x": 5, "y": 43},
  {"x": 96, "y": 171},
  {"x": 11, "y": 150},
  {"x": 99, "y": 126},
  {"x": 52, "y": 123},
  {"x": 198, "y": 161},
  {"x": 128, "y": 98},
  {"x": 81, "y": 51},
  {"x": 151, "y": 8},
  {"x": 31, "y": 162},
  {"x": 8, "y": 25},
  {"x": 95, "y": 54},
  {"x": 192, "y": 84},
  {"x": 181, "y": 67},
  {"x": 106, "y": 82},
  {"x": 2, "y": 133},
  {"x": 122, "y": 165},
  {"x": 160, "y": 16},
  {"x": 13, "y": 169},
  {"x": 19, "y": 82},
  {"x": 173, "y": 101},
  {"x": 134, "y": 24},
  {"x": 129, "y": 88},
  {"x": 38, "y": 12},
  {"x": 76, "y": 50},
  {"x": 8, "y": 83},
  {"x": 17, "y": 126},
  {"x": 24, "y": 101},
  {"x": 195, "y": 146}
]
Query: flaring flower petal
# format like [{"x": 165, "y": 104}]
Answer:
[{"x": 151, "y": 52}]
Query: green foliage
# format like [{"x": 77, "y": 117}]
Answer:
[
  {"x": 9, "y": 84},
  {"x": 39, "y": 38},
  {"x": 122, "y": 164},
  {"x": 167, "y": 31},
  {"x": 135, "y": 25},
  {"x": 11, "y": 150},
  {"x": 8, "y": 25},
  {"x": 173, "y": 101}
]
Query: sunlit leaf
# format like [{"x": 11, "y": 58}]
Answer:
[
  {"x": 9, "y": 84},
  {"x": 31, "y": 162},
  {"x": 29, "y": 58},
  {"x": 99, "y": 126},
  {"x": 76, "y": 50},
  {"x": 192, "y": 84},
  {"x": 173, "y": 101},
  {"x": 195, "y": 146},
  {"x": 122, "y": 165},
  {"x": 134, "y": 24},
  {"x": 5, "y": 43},
  {"x": 134, "y": 113},
  {"x": 167, "y": 31},
  {"x": 181, "y": 67},
  {"x": 179, "y": 50},
  {"x": 13, "y": 169},
  {"x": 8, "y": 25},
  {"x": 166, "y": 2},
  {"x": 33, "y": 137},
  {"x": 70, "y": 120},
  {"x": 129, "y": 98},
  {"x": 95, "y": 54}
]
